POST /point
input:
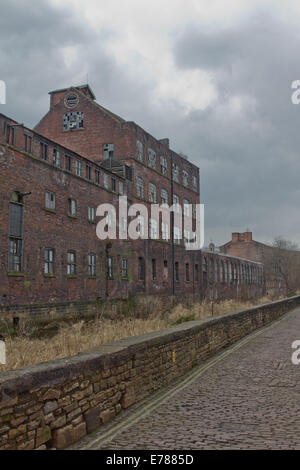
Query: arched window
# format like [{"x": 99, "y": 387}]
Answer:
[{"x": 15, "y": 232}]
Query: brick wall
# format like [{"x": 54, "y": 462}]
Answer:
[{"x": 57, "y": 403}]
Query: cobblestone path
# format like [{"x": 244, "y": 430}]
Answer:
[{"x": 248, "y": 398}]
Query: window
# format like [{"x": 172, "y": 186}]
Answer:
[
  {"x": 141, "y": 225},
  {"x": 124, "y": 270},
  {"x": 105, "y": 180},
  {"x": 71, "y": 263},
  {"x": 49, "y": 261},
  {"x": 152, "y": 193},
  {"x": 140, "y": 186},
  {"x": 97, "y": 176},
  {"x": 15, "y": 254},
  {"x": 91, "y": 214},
  {"x": 187, "y": 272},
  {"x": 68, "y": 160},
  {"x": 175, "y": 173},
  {"x": 176, "y": 203},
  {"x": 141, "y": 269},
  {"x": 164, "y": 196},
  {"x": 56, "y": 157},
  {"x": 78, "y": 168},
  {"x": 44, "y": 150},
  {"x": 10, "y": 134},
  {"x": 163, "y": 165},
  {"x": 15, "y": 232},
  {"x": 92, "y": 264},
  {"x": 153, "y": 229},
  {"x": 140, "y": 151},
  {"x": 72, "y": 207},
  {"x": 177, "y": 271},
  {"x": 28, "y": 143},
  {"x": 88, "y": 172},
  {"x": 195, "y": 183},
  {"x": 108, "y": 151},
  {"x": 73, "y": 120},
  {"x": 109, "y": 265},
  {"x": 113, "y": 184},
  {"x": 165, "y": 271},
  {"x": 151, "y": 159},
  {"x": 177, "y": 235},
  {"x": 121, "y": 187},
  {"x": 165, "y": 231},
  {"x": 154, "y": 270},
  {"x": 50, "y": 200},
  {"x": 185, "y": 178},
  {"x": 186, "y": 208}
]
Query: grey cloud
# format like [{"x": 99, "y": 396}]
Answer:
[{"x": 249, "y": 161}]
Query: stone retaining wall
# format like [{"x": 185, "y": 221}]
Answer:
[{"x": 55, "y": 404}]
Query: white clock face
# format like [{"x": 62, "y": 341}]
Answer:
[{"x": 71, "y": 100}]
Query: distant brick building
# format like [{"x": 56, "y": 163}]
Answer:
[{"x": 52, "y": 180}]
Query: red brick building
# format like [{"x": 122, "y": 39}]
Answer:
[{"x": 52, "y": 180}]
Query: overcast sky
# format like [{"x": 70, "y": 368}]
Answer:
[{"x": 212, "y": 75}]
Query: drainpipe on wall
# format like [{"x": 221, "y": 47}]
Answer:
[{"x": 172, "y": 230}]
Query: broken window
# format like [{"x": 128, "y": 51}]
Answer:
[
  {"x": 163, "y": 165},
  {"x": 140, "y": 186},
  {"x": 73, "y": 120},
  {"x": 56, "y": 157},
  {"x": 152, "y": 193},
  {"x": 175, "y": 173},
  {"x": 140, "y": 151},
  {"x": 15, "y": 232},
  {"x": 185, "y": 178},
  {"x": 108, "y": 151},
  {"x": 151, "y": 158},
  {"x": 164, "y": 196}
]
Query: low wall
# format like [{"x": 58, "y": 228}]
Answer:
[{"x": 55, "y": 404}]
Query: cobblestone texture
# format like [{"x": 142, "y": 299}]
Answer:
[{"x": 249, "y": 400}]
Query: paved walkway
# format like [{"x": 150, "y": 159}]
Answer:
[{"x": 245, "y": 398}]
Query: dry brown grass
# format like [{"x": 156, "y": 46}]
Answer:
[{"x": 24, "y": 350}]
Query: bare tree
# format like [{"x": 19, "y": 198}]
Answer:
[{"x": 282, "y": 267}]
